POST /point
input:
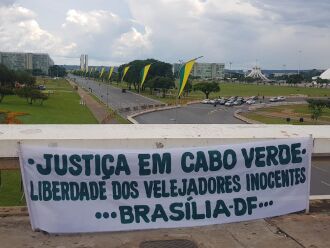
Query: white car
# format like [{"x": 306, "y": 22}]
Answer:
[
  {"x": 206, "y": 101},
  {"x": 250, "y": 101},
  {"x": 281, "y": 98},
  {"x": 273, "y": 99},
  {"x": 229, "y": 103}
]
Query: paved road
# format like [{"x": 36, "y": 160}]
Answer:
[
  {"x": 113, "y": 96},
  {"x": 198, "y": 114},
  {"x": 320, "y": 181},
  {"x": 192, "y": 114}
]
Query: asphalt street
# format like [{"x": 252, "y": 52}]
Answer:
[
  {"x": 113, "y": 96},
  {"x": 320, "y": 181},
  {"x": 198, "y": 114},
  {"x": 192, "y": 114}
]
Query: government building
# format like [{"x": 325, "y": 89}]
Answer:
[
  {"x": 26, "y": 61},
  {"x": 204, "y": 70}
]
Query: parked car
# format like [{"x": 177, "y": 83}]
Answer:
[
  {"x": 229, "y": 103},
  {"x": 273, "y": 99},
  {"x": 238, "y": 102},
  {"x": 222, "y": 102},
  {"x": 42, "y": 87},
  {"x": 206, "y": 101},
  {"x": 251, "y": 101}
]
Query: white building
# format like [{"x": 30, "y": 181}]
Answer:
[
  {"x": 84, "y": 62},
  {"x": 26, "y": 61},
  {"x": 325, "y": 75},
  {"x": 204, "y": 70},
  {"x": 209, "y": 70}
]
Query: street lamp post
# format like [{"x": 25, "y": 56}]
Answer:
[
  {"x": 299, "y": 55},
  {"x": 230, "y": 63}
]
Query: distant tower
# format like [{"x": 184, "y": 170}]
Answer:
[{"x": 84, "y": 62}]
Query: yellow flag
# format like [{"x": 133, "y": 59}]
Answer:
[
  {"x": 144, "y": 73},
  {"x": 184, "y": 74},
  {"x": 102, "y": 71},
  {"x": 110, "y": 72},
  {"x": 125, "y": 71}
]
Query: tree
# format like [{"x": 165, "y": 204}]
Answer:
[
  {"x": 207, "y": 88},
  {"x": 295, "y": 79},
  {"x": 7, "y": 80},
  {"x": 31, "y": 94},
  {"x": 24, "y": 77},
  {"x": 316, "y": 107},
  {"x": 133, "y": 75},
  {"x": 57, "y": 71},
  {"x": 163, "y": 83}
]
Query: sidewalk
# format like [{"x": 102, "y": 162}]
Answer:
[
  {"x": 98, "y": 109},
  {"x": 290, "y": 231}
]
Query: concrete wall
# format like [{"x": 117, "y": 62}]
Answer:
[{"x": 153, "y": 136}]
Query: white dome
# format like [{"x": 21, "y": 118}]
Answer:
[{"x": 326, "y": 74}]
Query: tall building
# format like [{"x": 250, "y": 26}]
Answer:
[
  {"x": 204, "y": 70},
  {"x": 209, "y": 70},
  {"x": 26, "y": 61},
  {"x": 84, "y": 62}
]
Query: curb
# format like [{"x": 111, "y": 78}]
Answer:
[
  {"x": 131, "y": 117},
  {"x": 245, "y": 119}
]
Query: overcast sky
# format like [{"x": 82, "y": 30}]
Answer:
[{"x": 275, "y": 34}]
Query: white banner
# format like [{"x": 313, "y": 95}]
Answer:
[{"x": 94, "y": 190}]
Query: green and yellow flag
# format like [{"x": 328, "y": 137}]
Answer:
[
  {"x": 110, "y": 72},
  {"x": 125, "y": 71},
  {"x": 144, "y": 73},
  {"x": 102, "y": 71},
  {"x": 184, "y": 74}
]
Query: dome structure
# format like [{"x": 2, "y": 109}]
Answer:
[
  {"x": 326, "y": 74},
  {"x": 256, "y": 73}
]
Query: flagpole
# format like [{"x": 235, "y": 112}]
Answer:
[{"x": 180, "y": 84}]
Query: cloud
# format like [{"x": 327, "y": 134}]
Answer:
[
  {"x": 7, "y": 2},
  {"x": 105, "y": 35},
  {"x": 239, "y": 31},
  {"x": 19, "y": 31}
]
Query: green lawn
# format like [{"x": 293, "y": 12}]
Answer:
[
  {"x": 62, "y": 107},
  {"x": 296, "y": 111},
  {"x": 272, "y": 120}
]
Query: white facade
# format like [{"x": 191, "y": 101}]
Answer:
[
  {"x": 326, "y": 74},
  {"x": 26, "y": 61},
  {"x": 209, "y": 70}
]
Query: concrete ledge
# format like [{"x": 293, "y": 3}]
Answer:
[{"x": 133, "y": 136}]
